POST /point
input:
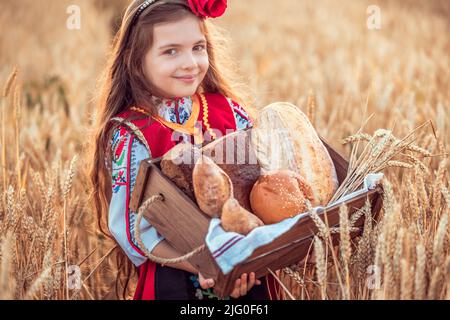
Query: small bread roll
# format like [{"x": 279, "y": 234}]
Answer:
[
  {"x": 234, "y": 154},
  {"x": 235, "y": 218},
  {"x": 280, "y": 194},
  {"x": 212, "y": 186}
]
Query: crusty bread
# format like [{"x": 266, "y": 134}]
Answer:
[
  {"x": 280, "y": 194},
  {"x": 178, "y": 163},
  {"x": 212, "y": 186},
  {"x": 285, "y": 139},
  {"x": 233, "y": 153}
]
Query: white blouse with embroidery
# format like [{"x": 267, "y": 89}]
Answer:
[{"x": 127, "y": 153}]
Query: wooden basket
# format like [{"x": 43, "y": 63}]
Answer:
[{"x": 179, "y": 220}]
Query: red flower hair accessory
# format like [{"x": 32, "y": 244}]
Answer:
[
  {"x": 201, "y": 8},
  {"x": 208, "y": 8}
]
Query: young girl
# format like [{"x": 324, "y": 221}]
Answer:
[{"x": 162, "y": 82}]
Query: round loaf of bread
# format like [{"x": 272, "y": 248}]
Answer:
[
  {"x": 279, "y": 195},
  {"x": 284, "y": 138}
]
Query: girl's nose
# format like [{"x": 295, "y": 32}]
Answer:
[{"x": 189, "y": 61}]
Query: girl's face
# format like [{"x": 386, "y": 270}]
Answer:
[{"x": 177, "y": 62}]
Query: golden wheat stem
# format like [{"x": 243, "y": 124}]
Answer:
[
  {"x": 321, "y": 266},
  {"x": 345, "y": 246},
  {"x": 99, "y": 263},
  {"x": 67, "y": 188},
  {"x": 4, "y": 145},
  {"x": 438, "y": 183},
  {"x": 419, "y": 280},
  {"x": 311, "y": 109},
  {"x": 5, "y": 266},
  {"x": 9, "y": 83},
  {"x": 17, "y": 115},
  {"x": 438, "y": 245},
  {"x": 446, "y": 195},
  {"x": 37, "y": 283},
  {"x": 447, "y": 276},
  {"x": 329, "y": 242},
  {"x": 434, "y": 284},
  {"x": 406, "y": 281},
  {"x": 282, "y": 284}
]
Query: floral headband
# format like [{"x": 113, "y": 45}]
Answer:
[{"x": 201, "y": 8}]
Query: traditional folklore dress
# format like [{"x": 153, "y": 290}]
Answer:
[{"x": 140, "y": 136}]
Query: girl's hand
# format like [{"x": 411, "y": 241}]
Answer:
[
  {"x": 241, "y": 286},
  {"x": 205, "y": 283}
]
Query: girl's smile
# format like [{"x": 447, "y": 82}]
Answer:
[{"x": 187, "y": 79}]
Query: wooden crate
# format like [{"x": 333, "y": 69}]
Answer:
[{"x": 185, "y": 226}]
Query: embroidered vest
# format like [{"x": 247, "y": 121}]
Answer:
[{"x": 215, "y": 115}]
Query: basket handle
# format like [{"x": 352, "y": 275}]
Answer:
[{"x": 137, "y": 235}]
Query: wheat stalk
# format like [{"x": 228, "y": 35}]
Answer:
[
  {"x": 447, "y": 276},
  {"x": 377, "y": 156},
  {"x": 407, "y": 282},
  {"x": 311, "y": 109},
  {"x": 6, "y": 90},
  {"x": 434, "y": 284},
  {"x": 321, "y": 266},
  {"x": 438, "y": 183},
  {"x": 345, "y": 246},
  {"x": 38, "y": 283},
  {"x": 5, "y": 266},
  {"x": 419, "y": 280},
  {"x": 67, "y": 188},
  {"x": 438, "y": 245}
]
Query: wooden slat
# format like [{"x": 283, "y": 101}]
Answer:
[
  {"x": 177, "y": 218},
  {"x": 140, "y": 185}
]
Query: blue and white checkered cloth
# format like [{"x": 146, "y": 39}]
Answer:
[{"x": 230, "y": 248}]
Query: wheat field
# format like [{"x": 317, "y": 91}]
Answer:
[{"x": 319, "y": 55}]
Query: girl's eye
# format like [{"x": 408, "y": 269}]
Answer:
[
  {"x": 170, "y": 52},
  {"x": 200, "y": 47}
]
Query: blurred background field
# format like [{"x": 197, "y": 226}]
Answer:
[{"x": 319, "y": 55}]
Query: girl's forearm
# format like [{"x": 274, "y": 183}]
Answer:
[{"x": 165, "y": 250}]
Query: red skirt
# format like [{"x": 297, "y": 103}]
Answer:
[{"x": 164, "y": 283}]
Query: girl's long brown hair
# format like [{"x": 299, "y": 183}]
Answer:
[{"x": 124, "y": 84}]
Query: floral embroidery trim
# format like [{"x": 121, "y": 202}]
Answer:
[
  {"x": 119, "y": 180},
  {"x": 118, "y": 158}
]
